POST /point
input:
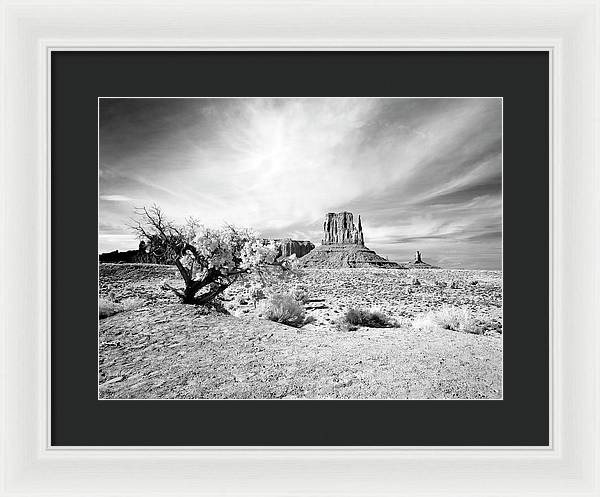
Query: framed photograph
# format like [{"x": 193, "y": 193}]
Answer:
[
  {"x": 342, "y": 261},
  {"x": 256, "y": 246}
]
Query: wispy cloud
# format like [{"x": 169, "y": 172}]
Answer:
[
  {"x": 116, "y": 198},
  {"x": 424, "y": 173}
]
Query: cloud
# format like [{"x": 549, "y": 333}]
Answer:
[
  {"x": 416, "y": 169},
  {"x": 116, "y": 198}
]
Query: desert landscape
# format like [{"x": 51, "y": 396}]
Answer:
[
  {"x": 158, "y": 347},
  {"x": 300, "y": 248}
]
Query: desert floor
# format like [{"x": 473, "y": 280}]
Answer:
[{"x": 162, "y": 349}]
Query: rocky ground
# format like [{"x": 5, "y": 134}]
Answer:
[{"x": 161, "y": 349}]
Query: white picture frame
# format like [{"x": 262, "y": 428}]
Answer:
[{"x": 570, "y": 32}]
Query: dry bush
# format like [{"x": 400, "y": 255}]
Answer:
[
  {"x": 449, "y": 318},
  {"x": 371, "y": 318},
  {"x": 343, "y": 325},
  {"x": 300, "y": 294},
  {"x": 256, "y": 294},
  {"x": 283, "y": 308},
  {"x": 424, "y": 322},
  {"x": 310, "y": 319},
  {"x": 108, "y": 307}
]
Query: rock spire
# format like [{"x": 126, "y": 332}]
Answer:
[{"x": 418, "y": 263}]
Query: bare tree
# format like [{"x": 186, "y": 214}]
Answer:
[
  {"x": 204, "y": 272},
  {"x": 164, "y": 240}
]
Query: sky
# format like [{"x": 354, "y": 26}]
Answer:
[{"x": 424, "y": 173}]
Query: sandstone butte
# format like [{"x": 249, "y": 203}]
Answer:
[{"x": 343, "y": 245}]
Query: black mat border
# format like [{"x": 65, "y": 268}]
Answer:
[{"x": 78, "y": 418}]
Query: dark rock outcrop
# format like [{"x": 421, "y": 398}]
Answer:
[
  {"x": 130, "y": 256},
  {"x": 299, "y": 248}
]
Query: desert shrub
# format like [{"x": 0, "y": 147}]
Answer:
[
  {"x": 455, "y": 318},
  {"x": 300, "y": 294},
  {"x": 343, "y": 325},
  {"x": 449, "y": 318},
  {"x": 370, "y": 318},
  {"x": 454, "y": 284},
  {"x": 256, "y": 294},
  {"x": 310, "y": 319},
  {"x": 424, "y": 322},
  {"x": 241, "y": 299},
  {"x": 283, "y": 308},
  {"x": 108, "y": 307}
]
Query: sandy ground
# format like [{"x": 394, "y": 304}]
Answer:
[{"x": 163, "y": 349}]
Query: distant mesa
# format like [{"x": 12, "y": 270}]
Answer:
[
  {"x": 285, "y": 246},
  {"x": 130, "y": 256},
  {"x": 343, "y": 245},
  {"x": 288, "y": 247}
]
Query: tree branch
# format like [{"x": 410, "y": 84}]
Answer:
[
  {"x": 177, "y": 292},
  {"x": 207, "y": 297},
  {"x": 184, "y": 272}
]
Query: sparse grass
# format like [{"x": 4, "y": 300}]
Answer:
[
  {"x": 283, "y": 308},
  {"x": 108, "y": 307},
  {"x": 449, "y": 318},
  {"x": 370, "y": 318}
]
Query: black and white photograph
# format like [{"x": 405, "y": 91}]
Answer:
[{"x": 300, "y": 248}]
